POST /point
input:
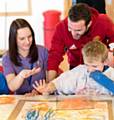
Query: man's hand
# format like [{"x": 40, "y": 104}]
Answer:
[{"x": 51, "y": 75}]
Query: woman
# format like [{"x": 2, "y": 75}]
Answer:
[{"x": 25, "y": 62}]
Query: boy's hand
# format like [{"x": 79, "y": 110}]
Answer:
[{"x": 40, "y": 86}]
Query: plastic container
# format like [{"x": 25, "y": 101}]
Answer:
[{"x": 51, "y": 18}]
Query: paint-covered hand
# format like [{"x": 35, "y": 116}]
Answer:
[{"x": 40, "y": 86}]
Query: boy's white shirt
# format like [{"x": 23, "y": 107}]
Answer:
[
  {"x": 109, "y": 73},
  {"x": 77, "y": 80}
]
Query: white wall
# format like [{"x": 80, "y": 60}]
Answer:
[{"x": 36, "y": 20}]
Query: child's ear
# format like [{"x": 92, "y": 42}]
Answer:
[
  {"x": 110, "y": 59},
  {"x": 106, "y": 62}
]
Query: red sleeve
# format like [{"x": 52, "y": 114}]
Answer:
[
  {"x": 109, "y": 29},
  {"x": 57, "y": 48}
]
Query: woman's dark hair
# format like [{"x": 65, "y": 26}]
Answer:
[
  {"x": 80, "y": 11},
  {"x": 13, "y": 50}
]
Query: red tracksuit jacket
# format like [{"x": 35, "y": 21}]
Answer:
[{"x": 102, "y": 26}]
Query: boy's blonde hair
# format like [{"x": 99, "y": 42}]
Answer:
[{"x": 95, "y": 51}]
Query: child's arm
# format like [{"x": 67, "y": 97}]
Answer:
[
  {"x": 44, "y": 88},
  {"x": 103, "y": 80}
]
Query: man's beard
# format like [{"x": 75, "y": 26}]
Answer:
[{"x": 81, "y": 35}]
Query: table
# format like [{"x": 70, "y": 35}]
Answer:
[{"x": 10, "y": 111}]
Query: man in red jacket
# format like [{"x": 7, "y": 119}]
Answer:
[{"x": 71, "y": 34}]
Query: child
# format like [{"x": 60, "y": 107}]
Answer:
[
  {"x": 3, "y": 85},
  {"x": 80, "y": 79}
]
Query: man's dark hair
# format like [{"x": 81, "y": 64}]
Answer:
[
  {"x": 98, "y": 5},
  {"x": 80, "y": 11}
]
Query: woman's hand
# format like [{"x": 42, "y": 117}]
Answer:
[{"x": 27, "y": 72}]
